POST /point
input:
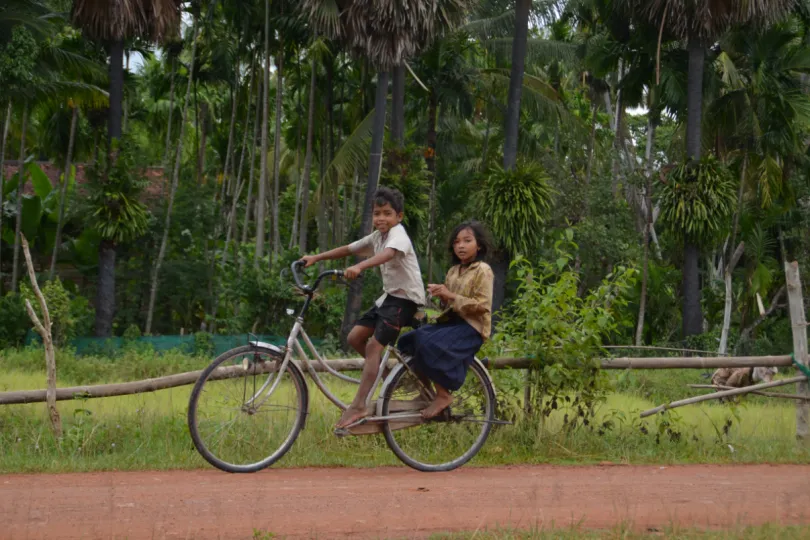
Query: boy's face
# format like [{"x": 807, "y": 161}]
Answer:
[{"x": 386, "y": 218}]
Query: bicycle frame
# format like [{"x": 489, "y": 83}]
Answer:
[{"x": 294, "y": 348}]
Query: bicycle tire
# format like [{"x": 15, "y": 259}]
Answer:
[
  {"x": 298, "y": 383},
  {"x": 483, "y": 378}
]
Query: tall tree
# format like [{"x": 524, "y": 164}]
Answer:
[
  {"x": 114, "y": 22},
  {"x": 261, "y": 200},
  {"x": 700, "y": 23}
]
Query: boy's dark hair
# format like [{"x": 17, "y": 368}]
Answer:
[
  {"x": 482, "y": 238},
  {"x": 391, "y": 196}
]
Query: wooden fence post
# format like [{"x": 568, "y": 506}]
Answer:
[{"x": 798, "y": 325}]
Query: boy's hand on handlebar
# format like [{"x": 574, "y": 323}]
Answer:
[
  {"x": 352, "y": 272},
  {"x": 309, "y": 260}
]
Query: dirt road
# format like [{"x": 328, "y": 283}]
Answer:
[{"x": 395, "y": 502}]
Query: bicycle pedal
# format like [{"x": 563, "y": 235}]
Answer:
[{"x": 342, "y": 432}]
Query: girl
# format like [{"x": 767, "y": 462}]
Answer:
[{"x": 442, "y": 351}]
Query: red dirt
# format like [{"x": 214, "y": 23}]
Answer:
[{"x": 397, "y": 502}]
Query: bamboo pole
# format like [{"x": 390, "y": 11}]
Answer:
[
  {"x": 799, "y": 328},
  {"x": 764, "y": 394},
  {"x": 356, "y": 364},
  {"x": 725, "y": 393}
]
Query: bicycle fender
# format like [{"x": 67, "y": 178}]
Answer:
[{"x": 270, "y": 346}]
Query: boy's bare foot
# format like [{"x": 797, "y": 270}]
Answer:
[
  {"x": 350, "y": 416},
  {"x": 439, "y": 403}
]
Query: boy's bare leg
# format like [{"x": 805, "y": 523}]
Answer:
[
  {"x": 442, "y": 400},
  {"x": 372, "y": 351}
]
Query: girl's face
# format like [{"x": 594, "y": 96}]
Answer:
[{"x": 465, "y": 246}]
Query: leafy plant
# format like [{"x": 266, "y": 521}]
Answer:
[
  {"x": 697, "y": 201},
  {"x": 514, "y": 203},
  {"x": 113, "y": 205},
  {"x": 562, "y": 331},
  {"x": 71, "y": 316}
]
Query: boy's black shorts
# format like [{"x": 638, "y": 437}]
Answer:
[{"x": 389, "y": 318}]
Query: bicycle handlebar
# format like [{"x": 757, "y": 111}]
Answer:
[{"x": 309, "y": 289}]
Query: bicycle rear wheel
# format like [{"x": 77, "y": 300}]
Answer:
[
  {"x": 236, "y": 424},
  {"x": 448, "y": 441}
]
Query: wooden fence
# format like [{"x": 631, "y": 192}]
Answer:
[{"x": 798, "y": 323}]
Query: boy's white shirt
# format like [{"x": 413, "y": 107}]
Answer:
[{"x": 401, "y": 275}]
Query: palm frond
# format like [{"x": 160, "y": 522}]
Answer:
[
  {"x": 538, "y": 51},
  {"x": 115, "y": 20},
  {"x": 352, "y": 154}
]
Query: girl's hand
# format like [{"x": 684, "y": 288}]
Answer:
[{"x": 441, "y": 291}]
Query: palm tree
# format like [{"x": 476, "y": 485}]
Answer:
[
  {"x": 114, "y": 22},
  {"x": 701, "y": 22}
]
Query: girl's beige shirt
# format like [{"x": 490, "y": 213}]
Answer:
[{"x": 473, "y": 289}]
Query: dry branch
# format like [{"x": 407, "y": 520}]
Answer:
[
  {"x": 725, "y": 393},
  {"x": 765, "y": 394},
  {"x": 44, "y": 330}
]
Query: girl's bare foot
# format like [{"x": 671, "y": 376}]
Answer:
[
  {"x": 350, "y": 416},
  {"x": 442, "y": 400}
]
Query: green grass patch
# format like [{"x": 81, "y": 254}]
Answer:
[
  {"x": 149, "y": 431},
  {"x": 763, "y": 532}
]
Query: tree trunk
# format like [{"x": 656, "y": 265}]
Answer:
[
  {"x": 277, "y": 150},
  {"x": 115, "y": 115},
  {"x": 3, "y": 142},
  {"x": 105, "y": 295},
  {"x": 740, "y": 192},
  {"x": 433, "y": 113},
  {"x": 262, "y": 191},
  {"x": 589, "y": 166},
  {"x": 512, "y": 125},
  {"x": 305, "y": 181},
  {"x": 729, "y": 298},
  {"x": 354, "y": 297},
  {"x": 166, "y": 156},
  {"x": 298, "y": 134},
  {"x": 254, "y": 139},
  {"x": 173, "y": 190},
  {"x": 642, "y": 306},
  {"x": 63, "y": 194},
  {"x": 15, "y": 270},
  {"x": 692, "y": 312},
  {"x": 203, "y": 122},
  {"x": 398, "y": 106},
  {"x": 227, "y": 172}
]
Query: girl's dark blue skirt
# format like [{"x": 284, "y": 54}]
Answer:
[{"x": 443, "y": 351}]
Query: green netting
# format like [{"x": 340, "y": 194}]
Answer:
[{"x": 205, "y": 344}]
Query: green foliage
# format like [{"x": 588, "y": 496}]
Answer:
[
  {"x": 17, "y": 59},
  {"x": 562, "y": 331},
  {"x": 71, "y": 316},
  {"x": 515, "y": 204},
  {"x": 14, "y": 322},
  {"x": 405, "y": 170},
  {"x": 204, "y": 344},
  {"x": 113, "y": 205},
  {"x": 697, "y": 201}
]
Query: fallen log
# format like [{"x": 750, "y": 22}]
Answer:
[{"x": 356, "y": 364}]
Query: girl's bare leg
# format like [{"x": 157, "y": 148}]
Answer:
[{"x": 442, "y": 400}]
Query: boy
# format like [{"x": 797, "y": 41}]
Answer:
[{"x": 390, "y": 248}]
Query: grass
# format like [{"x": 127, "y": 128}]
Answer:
[
  {"x": 148, "y": 431},
  {"x": 763, "y": 532}
]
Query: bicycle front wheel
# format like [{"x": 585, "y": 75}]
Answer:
[
  {"x": 243, "y": 414},
  {"x": 455, "y": 436}
]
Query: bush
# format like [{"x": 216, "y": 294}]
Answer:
[
  {"x": 562, "y": 331},
  {"x": 70, "y": 316},
  {"x": 14, "y": 322}
]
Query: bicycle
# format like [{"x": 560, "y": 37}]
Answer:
[{"x": 262, "y": 373}]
